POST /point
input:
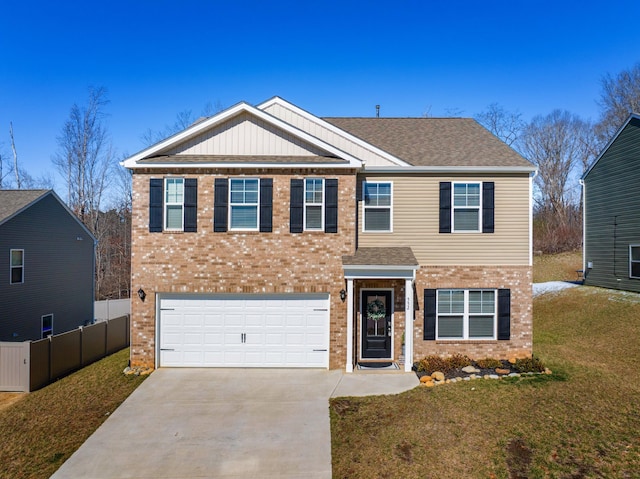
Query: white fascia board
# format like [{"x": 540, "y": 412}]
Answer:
[
  {"x": 252, "y": 166},
  {"x": 380, "y": 272},
  {"x": 450, "y": 169},
  {"x": 332, "y": 128},
  {"x": 198, "y": 128},
  {"x": 615, "y": 137}
]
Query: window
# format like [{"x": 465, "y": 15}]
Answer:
[
  {"x": 17, "y": 266},
  {"x": 47, "y": 325},
  {"x": 377, "y": 206},
  {"x": 314, "y": 204},
  {"x": 466, "y": 207},
  {"x": 634, "y": 261},
  {"x": 243, "y": 204},
  {"x": 173, "y": 203},
  {"x": 466, "y": 314}
]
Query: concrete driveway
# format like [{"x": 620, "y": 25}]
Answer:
[{"x": 224, "y": 423}]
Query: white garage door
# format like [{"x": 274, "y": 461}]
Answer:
[{"x": 288, "y": 330}]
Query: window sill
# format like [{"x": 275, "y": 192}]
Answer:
[{"x": 466, "y": 341}]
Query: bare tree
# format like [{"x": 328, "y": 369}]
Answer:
[
  {"x": 85, "y": 157},
  {"x": 183, "y": 120},
  {"x": 504, "y": 124},
  {"x": 15, "y": 155},
  {"x": 620, "y": 96}
]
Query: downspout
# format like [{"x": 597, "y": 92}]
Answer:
[
  {"x": 532, "y": 176},
  {"x": 584, "y": 229}
]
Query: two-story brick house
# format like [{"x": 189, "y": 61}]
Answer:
[{"x": 267, "y": 237}]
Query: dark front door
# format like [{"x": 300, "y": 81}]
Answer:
[{"x": 376, "y": 324}]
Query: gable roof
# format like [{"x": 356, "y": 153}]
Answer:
[
  {"x": 632, "y": 117},
  {"x": 14, "y": 202},
  {"x": 435, "y": 142}
]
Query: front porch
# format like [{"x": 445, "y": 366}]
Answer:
[{"x": 380, "y": 305}]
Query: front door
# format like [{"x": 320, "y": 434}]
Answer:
[{"x": 376, "y": 324}]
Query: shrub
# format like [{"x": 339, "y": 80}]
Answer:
[
  {"x": 430, "y": 364},
  {"x": 458, "y": 361},
  {"x": 529, "y": 365},
  {"x": 489, "y": 363}
]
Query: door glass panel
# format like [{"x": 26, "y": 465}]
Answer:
[{"x": 377, "y": 311}]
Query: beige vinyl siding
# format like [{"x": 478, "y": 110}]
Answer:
[
  {"x": 293, "y": 118},
  {"x": 246, "y": 135},
  {"x": 416, "y": 222}
]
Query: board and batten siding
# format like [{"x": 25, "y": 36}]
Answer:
[
  {"x": 245, "y": 135},
  {"x": 58, "y": 272},
  {"x": 299, "y": 121},
  {"x": 416, "y": 222},
  {"x": 612, "y": 212}
]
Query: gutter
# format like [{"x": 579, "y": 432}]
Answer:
[{"x": 452, "y": 169}]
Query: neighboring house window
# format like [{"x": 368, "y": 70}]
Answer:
[
  {"x": 17, "y": 266},
  {"x": 634, "y": 261},
  {"x": 467, "y": 207},
  {"x": 314, "y": 204},
  {"x": 243, "y": 204},
  {"x": 377, "y": 206},
  {"x": 47, "y": 325},
  {"x": 173, "y": 203},
  {"x": 467, "y": 314}
]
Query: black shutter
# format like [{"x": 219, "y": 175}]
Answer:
[
  {"x": 266, "y": 205},
  {"x": 487, "y": 207},
  {"x": 504, "y": 314},
  {"x": 296, "y": 206},
  {"x": 331, "y": 206},
  {"x": 445, "y": 207},
  {"x": 429, "y": 314},
  {"x": 190, "y": 205},
  {"x": 220, "y": 204},
  {"x": 156, "y": 186}
]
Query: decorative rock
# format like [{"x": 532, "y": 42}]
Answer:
[
  {"x": 513, "y": 360},
  {"x": 447, "y": 381},
  {"x": 146, "y": 371},
  {"x": 502, "y": 371},
  {"x": 547, "y": 371},
  {"x": 458, "y": 378},
  {"x": 514, "y": 375},
  {"x": 425, "y": 379},
  {"x": 486, "y": 376},
  {"x": 466, "y": 379},
  {"x": 438, "y": 376},
  {"x": 470, "y": 369},
  {"x": 429, "y": 384},
  {"x": 494, "y": 376},
  {"x": 473, "y": 376}
]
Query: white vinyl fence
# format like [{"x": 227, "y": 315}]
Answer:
[{"x": 111, "y": 308}]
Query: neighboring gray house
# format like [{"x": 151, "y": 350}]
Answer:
[
  {"x": 611, "y": 189},
  {"x": 47, "y": 261}
]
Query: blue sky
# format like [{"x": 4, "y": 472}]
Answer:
[{"x": 332, "y": 58}]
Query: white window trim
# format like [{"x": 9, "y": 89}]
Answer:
[
  {"x": 321, "y": 205},
  {"x": 453, "y": 207},
  {"x": 632, "y": 261},
  {"x": 364, "y": 207},
  {"x": 257, "y": 228},
  {"x": 11, "y": 267},
  {"x": 466, "y": 314},
  {"x": 165, "y": 203},
  {"x": 42, "y": 336}
]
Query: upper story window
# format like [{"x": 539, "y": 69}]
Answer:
[
  {"x": 314, "y": 204},
  {"x": 47, "y": 325},
  {"x": 17, "y": 266},
  {"x": 466, "y": 207},
  {"x": 466, "y": 314},
  {"x": 173, "y": 203},
  {"x": 634, "y": 261},
  {"x": 244, "y": 203},
  {"x": 377, "y": 201}
]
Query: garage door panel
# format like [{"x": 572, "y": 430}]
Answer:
[{"x": 245, "y": 331}]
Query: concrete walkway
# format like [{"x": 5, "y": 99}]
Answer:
[{"x": 225, "y": 423}]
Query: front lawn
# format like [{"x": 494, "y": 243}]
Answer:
[
  {"x": 582, "y": 421},
  {"x": 41, "y": 431}
]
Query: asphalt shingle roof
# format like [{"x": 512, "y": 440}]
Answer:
[
  {"x": 12, "y": 201},
  {"x": 386, "y": 256},
  {"x": 433, "y": 141}
]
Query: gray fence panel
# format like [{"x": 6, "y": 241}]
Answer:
[
  {"x": 117, "y": 334},
  {"x": 111, "y": 308},
  {"x": 39, "y": 358},
  {"x": 66, "y": 351},
  {"x": 94, "y": 345}
]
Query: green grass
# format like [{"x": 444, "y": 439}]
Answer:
[
  {"x": 556, "y": 267},
  {"x": 581, "y": 422},
  {"x": 43, "y": 429}
]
